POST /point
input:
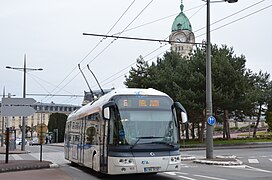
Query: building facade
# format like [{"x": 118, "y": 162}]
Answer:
[
  {"x": 182, "y": 37},
  {"x": 43, "y": 112}
]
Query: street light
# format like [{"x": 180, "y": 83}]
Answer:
[
  {"x": 24, "y": 94},
  {"x": 209, "y": 110}
]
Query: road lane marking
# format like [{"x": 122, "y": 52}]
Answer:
[
  {"x": 258, "y": 169},
  {"x": 170, "y": 173},
  {"x": 184, "y": 177},
  {"x": 209, "y": 177},
  {"x": 182, "y": 173},
  {"x": 253, "y": 161},
  {"x": 270, "y": 160}
]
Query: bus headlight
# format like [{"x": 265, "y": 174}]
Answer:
[
  {"x": 126, "y": 161},
  {"x": 175, "y": 159}
]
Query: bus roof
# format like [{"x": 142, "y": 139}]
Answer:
[{"x": 96, "y": 105}]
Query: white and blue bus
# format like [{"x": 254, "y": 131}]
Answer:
[{"x": 126, "y": 131}]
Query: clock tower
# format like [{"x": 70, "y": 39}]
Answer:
[{"x": 182, "y": 37}]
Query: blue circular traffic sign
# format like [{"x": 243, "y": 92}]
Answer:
[{"x": 211, "y": 120}]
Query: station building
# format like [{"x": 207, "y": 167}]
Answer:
[{"x": 42, "y": 114}]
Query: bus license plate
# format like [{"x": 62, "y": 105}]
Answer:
[{"x": 151, "y": 169}]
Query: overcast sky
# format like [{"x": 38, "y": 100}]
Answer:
[{"x": 49, "y": 32}]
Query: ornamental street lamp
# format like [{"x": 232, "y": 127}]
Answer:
[
  {"x": 24, "y": 69},
  {"x": 209, "y": 111}
]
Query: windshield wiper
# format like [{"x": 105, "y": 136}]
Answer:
[
  {"x": 144, "y": 137},
  {"x": 162, "y": 142}
]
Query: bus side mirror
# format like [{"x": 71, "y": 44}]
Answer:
[
  {"x": 181, "y": 112},
  {"x": 184, "y": 117},
  {"x": 106, "y": 110},
  {"x": 106, "y": 113}
]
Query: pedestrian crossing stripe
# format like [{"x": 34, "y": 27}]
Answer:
[
  {"x": 17, "y": 157},
  {"x": 253, "y": 161}
]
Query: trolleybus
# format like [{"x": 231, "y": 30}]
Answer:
[{"x": 126, "y": 131}]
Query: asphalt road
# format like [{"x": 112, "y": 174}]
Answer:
[{"x": 257, "y": 165}]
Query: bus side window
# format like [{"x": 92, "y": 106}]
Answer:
[
  {"x": 91, "y": 135},
  {"x": 113, "y": 133},
  {"x": 91, "y": 129}
]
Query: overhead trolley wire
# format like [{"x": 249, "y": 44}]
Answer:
[
  {"x": 262, "y": 9},
  {"x": 228, "y": 17},
  {"x": 106, "y": 46},
  {"x": 125, "y": 30},
  {"x": 198, "y": 30},
  {"x": 91, "y": 50},
  {"x": 107, "y": 79},
  {"x": 116, "y": 37}
]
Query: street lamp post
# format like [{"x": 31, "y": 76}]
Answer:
[
  {"x": 209, "y": 110},
  {"x": 24, "y": 95}
]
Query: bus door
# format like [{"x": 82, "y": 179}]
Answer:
[
  {"x": 82, "y": 140},
  {"x": 67, "y": 140},
  {"x": 104, "y": 149}
]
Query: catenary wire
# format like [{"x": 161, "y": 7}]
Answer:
[
  {"x": 125, "y": 30},
  {"x": 94, "y": 47},
  {"x": 230, "y": 15},
  {"x": 213, "y": 29},
  {"x": 106, "y": 46},
  {"x": 238, "y": 19},
  {"x": 241, "y": 18}
]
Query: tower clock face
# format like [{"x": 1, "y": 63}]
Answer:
[{"x": 180, "y": 38}]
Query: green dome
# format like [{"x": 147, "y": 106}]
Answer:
[{"x": 181, "y": 22}]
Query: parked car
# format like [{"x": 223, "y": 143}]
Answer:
[
  {"x": 19, "y": 141},
  {"x": 34, "y": 141}
]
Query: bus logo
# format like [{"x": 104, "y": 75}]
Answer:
[{"x": 152, "y": 154}]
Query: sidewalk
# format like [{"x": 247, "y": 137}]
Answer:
[{"x": 19, "y": 165}]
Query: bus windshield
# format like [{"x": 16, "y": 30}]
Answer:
[{"x": 142, "y": 120}]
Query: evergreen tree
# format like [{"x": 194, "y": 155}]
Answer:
[{"x": 57, "y": 121}]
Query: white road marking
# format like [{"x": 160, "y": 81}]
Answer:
[
  {"x": 257, "y": 169},
  {"x": 209, "y": 177},
  {"x": 52, "y": 156},
  {"x": 170, "y": 173},
  {"x": 270, "y": 160},
  {"x": 184, "y": 177},
  {"x": 16, "y": 157},
  {"x": 182, "y": 173},
  {"x": 253, "y": 161}
]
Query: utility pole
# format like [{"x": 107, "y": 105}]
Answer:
[
  {"x": 24, "y": 95},
  {"x": 209, "y": 110},
  {"x": 3, "y": 122}
]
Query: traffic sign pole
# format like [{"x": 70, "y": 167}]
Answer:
[{"x": 18, "y": 107}]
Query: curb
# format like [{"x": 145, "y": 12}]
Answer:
[
  {"x": 22, "y": 165},
  {"x": 53, "y": 165},
  {"x": 223, "y": 160},
  {"x": 187, "y": 158}
]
